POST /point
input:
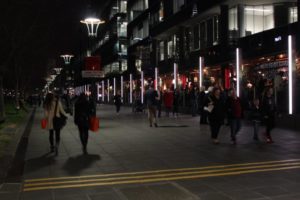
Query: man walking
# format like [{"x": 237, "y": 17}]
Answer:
[
  {"x": 151, "y": 98},
  {"x": 234, "y": 114}
]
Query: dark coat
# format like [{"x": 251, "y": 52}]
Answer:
[
  {"x": 268, "y": 106},
  {"x": 117, "y": 99},
  {"x": 256, "y": 114},
  {"x": 218, "y": 113},
  {"x": 231, "y": 104},
  {"x": 83, "y": 113}
]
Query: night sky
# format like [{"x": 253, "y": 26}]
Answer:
[{"x": 34, "y": 33}]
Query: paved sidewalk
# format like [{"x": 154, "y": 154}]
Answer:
[{"x": 125, "y": 143}]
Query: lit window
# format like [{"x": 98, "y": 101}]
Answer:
[
  {"x": 293, "y": 15},
  {"x": 258, "y": 19}
]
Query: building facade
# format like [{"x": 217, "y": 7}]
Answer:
[{"x": 172, "y": 36}]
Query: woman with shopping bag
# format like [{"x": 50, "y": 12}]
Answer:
[
  {"x": 55, "y": 117},
  {"x": 82, "y": 118}
]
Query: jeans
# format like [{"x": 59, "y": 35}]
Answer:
[
  {"x": 152, "y": 114},
  {"x": 84, "y": 135},
  {"x": 51, "y": 137},
  {"x": 235, "y": 127},
  {"x": 118, "y": 107},
  {"x": 215, "y": 128},
  {"x": 270, "y": 123},
  {"x": 256, "y": 128},
  {"x": 193, "y": 107}
]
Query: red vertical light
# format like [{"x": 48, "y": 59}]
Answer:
[{"x": 227, "y": 78}]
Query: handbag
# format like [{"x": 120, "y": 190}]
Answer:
[
  {"x": 94, "y": 124},
  {"x": 58, "y": 122},
  {"x": 44, "y": 123},
  {"x": 209, "y": 108}
]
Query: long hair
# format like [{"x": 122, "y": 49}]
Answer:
[{"x": 48, "y": 101}]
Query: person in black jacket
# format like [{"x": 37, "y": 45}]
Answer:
[
  {"x": 216, "y": 115},
  {"x": 234, "y": 114},
  {"x": 118, "y": 101},
  {"x": 269, "y": 111},
  {"x": 256, "y": 118},
  {"x": 82, "y": 116}
]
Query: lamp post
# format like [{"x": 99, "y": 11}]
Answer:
[
  {"x": 92, "y": 25},
  {"x": 67, "y": 58}
]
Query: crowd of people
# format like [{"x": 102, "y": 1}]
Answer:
[{"x": 215, "y": 107}]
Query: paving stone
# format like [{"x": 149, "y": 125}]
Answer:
[
  {"x": 125, "y": 143},
  {"x": 10, "y": 188},
  {"x": 37, "y": 195},
  {"x": 139, "y": 192},
  {"x": 271, "y": 191},
  {"x": 172, "y": 192},
  {"x": 9, "y": 196}
]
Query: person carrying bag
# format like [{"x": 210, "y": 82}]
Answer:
[
  {"x": 54, "y": 114},
  {"x": 82, "y": 118}
]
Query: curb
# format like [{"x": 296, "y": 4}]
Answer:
[{"x": 11, "y": 149}]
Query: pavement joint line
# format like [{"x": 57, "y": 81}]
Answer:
[
  {"x": 159, "y": 179},
  {"x": 159, "y": 171},
  {"x": 161, "y": 175}
]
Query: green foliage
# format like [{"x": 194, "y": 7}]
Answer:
[{"x": 13, "y": 119}]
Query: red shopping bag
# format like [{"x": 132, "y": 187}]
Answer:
[
  {"x": 44, "y": 123},
  {"x": 94, "y": 124}
]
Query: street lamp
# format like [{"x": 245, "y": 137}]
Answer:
[
  {"x": 67, "y": 58},
  {"x": 92, "y": 25},
  {"x": 57, "y": 70}
]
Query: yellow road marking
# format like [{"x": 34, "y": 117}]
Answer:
[
  {"x": 159, "y": 171},
  {"x": 161, "y": 175},
  {"x": 158, "y": 179}
]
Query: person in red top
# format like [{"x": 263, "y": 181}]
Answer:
[
  {"x": 234, "y": 114},
  {"x": 168, "y": 101}
]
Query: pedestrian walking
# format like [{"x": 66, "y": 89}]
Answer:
[
  {"x": 269, "y": 112},
  {"x": 176, "y": 96},
  {"x": 193, "y": 100},
  {"x": 118, "y": 101},
  {"x": 201, "y": 100},
  {"x": 159, "y": 102},
  {"x": 82, "y": 116},
  {"x": 168, "y": 101},
  {"x": 256, "y": 118},
  {"x": 151, "y": 97},
  {"x": 53, "y": 109},
  {"x": 234, "y": 114},
  {"x": 215, "y": 107}
]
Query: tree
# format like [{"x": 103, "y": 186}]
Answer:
[{"x": 21, "y": 28}]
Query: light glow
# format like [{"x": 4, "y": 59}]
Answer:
[
  {"x": 115, "y": 92},
  {"x": 108, "y": 92},
  {"x": 238, "y": 72},
  {"x": 291, "y": 67},
  {"x": 175, "y": 76},
  {"x": 200, "y": 71},
  {"x": 156, "y": 78},
  {"x": 92, "y": 25},
  {"x": 67, "y": 58},
  {"x": 130, "y": 85},
  {"x": 142, "y": 87},
  {"x": 103, "y": 91},
  {"x": 122, "y": 89}
]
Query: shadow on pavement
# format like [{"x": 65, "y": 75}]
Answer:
[
  {"x": 174, "y": 126},
  {"x": 40, "y": 162},
  {"x": 76, "y": 164}
]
